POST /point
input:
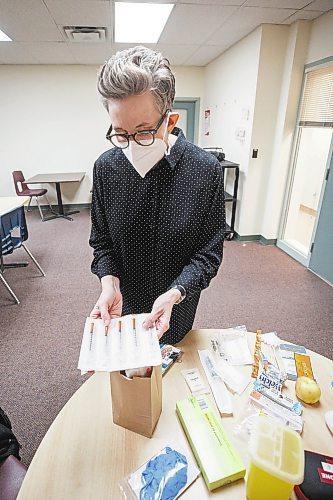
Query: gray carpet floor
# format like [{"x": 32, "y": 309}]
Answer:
[{"x": 257, "y": 285}]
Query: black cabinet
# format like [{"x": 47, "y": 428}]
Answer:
[{"x": 231, "y": 197}]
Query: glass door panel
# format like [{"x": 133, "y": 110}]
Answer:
[{"x": 311, "y": 157}]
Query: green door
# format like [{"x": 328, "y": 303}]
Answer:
[
  {"x": 321, "y": 261},
  {"x": 187, "y": 117}
]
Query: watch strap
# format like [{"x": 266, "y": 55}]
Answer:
[{"x": 182, "y": 292}]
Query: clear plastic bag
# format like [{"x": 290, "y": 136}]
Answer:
[
  {"x": 167, "y": 474},
  {"x": 243, "y": 428},
  {"x": 231, "y": 345}
]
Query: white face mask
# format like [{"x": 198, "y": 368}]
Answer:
[{"x": 144, "y": 158}]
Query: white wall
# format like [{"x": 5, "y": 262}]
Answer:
[
  {"x": 190, "y": 83},
  {"x": 51, "y": 120},
  {"x": 280, "y": 165},
  {"x": 230, "y": 83},
  {"x": 229, "y": 92},
  {"x": 321, "y": 41},
  {"x": 270, "y": 74},
  {"x": 242, "y": 89}
]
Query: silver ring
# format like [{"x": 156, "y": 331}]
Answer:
[{"x": 96, "y": 307}]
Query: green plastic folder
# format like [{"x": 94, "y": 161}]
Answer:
[{"x": 217, "y": 458}]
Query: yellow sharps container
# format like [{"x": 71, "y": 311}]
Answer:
[{"x": 276, "y": 461}]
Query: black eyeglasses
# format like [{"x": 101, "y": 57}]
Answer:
[{"x": 143, "y": 137}]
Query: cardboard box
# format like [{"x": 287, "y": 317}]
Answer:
[
  {"x": 137, "y": 402},
  {"x": 217, "y": 458}
]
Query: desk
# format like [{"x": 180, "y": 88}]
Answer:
[
  {"x": 10, "y": 203},
  {"x": 84, "y": 455},
  {"x": 58, "y": 179}
]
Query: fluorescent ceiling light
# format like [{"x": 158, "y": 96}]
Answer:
[
  {"x": 140, "y": 22},
  {"x": 4, "y": 37}
]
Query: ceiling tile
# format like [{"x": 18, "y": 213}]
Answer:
[
  {"x": 277, "y": 4},
  {"x": 185, "y": 24},
  {"x": 177, "y": 54},
  {"x": 80, "y": 12},
  {"x": 27, "y": 20},
  {"x": 212, "y": 2},
  {"x": 246, "y": 20},
  {"x": 97, "y": 53},
  {"x": 51, "y": 52},
  {"x": 303, "y": 14},
  {"x": 322, "y": 5},
  {"x": 149, "y": 1},
  {"x": 16, "y": 53},
  {"x": 91, "y": 53},
  {"x": 205, "y": 54},
  {"x": 122, "y": 46}
]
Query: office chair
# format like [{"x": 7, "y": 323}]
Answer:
[
  {"x": 10, "y": 224},
  {"x": 22, "y": 189}
]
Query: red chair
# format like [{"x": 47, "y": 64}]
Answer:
[
  {"x": 12, "y": 473},
  {"x": 22, "y": 189}
]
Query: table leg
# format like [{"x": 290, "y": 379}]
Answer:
[
  {"x": 61, "y": 213},
  {"x": 59, "y": 197}
]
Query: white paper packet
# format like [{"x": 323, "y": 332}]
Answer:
[
  {"x": 194, "y": 381},
  {"x": 235, "y": 380},
  {"x": 219, "y": 390}
]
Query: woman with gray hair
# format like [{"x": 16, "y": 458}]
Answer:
[{"x": 158, "y": 216}]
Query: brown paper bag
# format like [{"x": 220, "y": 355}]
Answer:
[{"x": 137, "y": 402}]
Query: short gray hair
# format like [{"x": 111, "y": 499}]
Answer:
[{"x": 135, "y": 71}]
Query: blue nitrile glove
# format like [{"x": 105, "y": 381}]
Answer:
[{"x": 156, "y": 484}]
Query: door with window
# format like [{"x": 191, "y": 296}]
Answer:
[
  {"x": 187, "y": 118},
  {"x": 311, "y": 157}
]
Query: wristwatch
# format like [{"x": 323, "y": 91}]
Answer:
[{"x": 182, "y": 293}]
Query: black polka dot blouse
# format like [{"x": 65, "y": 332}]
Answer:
[{"x": 161, "y": 230}]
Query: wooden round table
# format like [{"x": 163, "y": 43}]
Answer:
[{"x": 84, "y": 454}]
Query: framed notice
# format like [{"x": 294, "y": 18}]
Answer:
[{"x": 207, "y": 121}]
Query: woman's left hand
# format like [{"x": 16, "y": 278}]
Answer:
[{"x": 161, "y": 312}]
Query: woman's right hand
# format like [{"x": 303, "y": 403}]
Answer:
[{"x": 110, "y": 302}]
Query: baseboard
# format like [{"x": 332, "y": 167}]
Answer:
[
  {"x": 67, "y": 206},
  {"x": 250, "y": 237},
  {"x": 266, "y": 241},
  {"x": 256, "y": 237}
]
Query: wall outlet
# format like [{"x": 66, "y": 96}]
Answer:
[
  {"x": 240, "y": 133},
  {"x": 245, "y": 114}
]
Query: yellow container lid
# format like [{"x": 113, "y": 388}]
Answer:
[{"x": 278, "y": 450}]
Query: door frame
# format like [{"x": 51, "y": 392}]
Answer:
[
  {"x": 196, "y": 101},
  {"x": 304, "y": 260}
]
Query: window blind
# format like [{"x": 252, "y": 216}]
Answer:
[{"x": 317, "y": 99}]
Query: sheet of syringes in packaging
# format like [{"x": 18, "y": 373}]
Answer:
[{"x": 124, "y": 344}]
